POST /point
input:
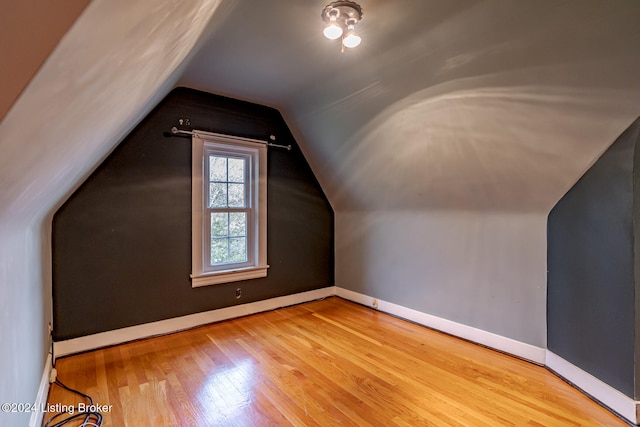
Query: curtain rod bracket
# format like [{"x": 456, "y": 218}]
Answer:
[{"x": 176, "y": 131}]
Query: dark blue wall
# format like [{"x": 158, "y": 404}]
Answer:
[
  {"x": 122, "y": 242},
  {"x": 591, "y": 279}
]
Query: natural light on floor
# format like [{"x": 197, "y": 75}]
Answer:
[{"x": 234, "y": 386}]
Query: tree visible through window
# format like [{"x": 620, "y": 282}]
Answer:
[
  {"x": 228, "y": 201},
  {"x": 229, "y": 209}
]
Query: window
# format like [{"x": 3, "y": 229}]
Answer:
[{"x": 229, "y": 209}]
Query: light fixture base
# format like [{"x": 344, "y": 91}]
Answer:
[
  {"x": 346, "y": 10},
  {"x": 341, "y": 18}
]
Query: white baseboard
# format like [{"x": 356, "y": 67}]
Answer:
[
  {"x": 623, "y": 405},
  {"x": 602, "y": 392},
  {"x": 497, "y": 342},
  {"x": 597, "y": 389},
  {"x": 118, "y": 336},
  {"x": 41, "y": 398}
]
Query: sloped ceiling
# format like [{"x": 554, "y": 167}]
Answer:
[
  {"x": 466, "y": 105},
  {"x": 118, "y": 60},
  {"x": 26, "y": 43}
]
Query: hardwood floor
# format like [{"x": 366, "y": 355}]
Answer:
[{"x": 323, "y": 363}]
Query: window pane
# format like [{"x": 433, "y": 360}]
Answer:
[
  {"x": 217, "y": 168},
  {"x": 219, "y": 251},
  {"x": 238, "y": 224},
  {"x": 217, "y": 195},
  {"x": 236, "y": 196},
  {"x": 219, "y": 224},
  {"x": 238, "y": 249},
  {"x": 236, "y": 170}
]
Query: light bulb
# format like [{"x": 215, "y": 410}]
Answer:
[
  {"x": 332, "y": 31},
  {"x": 351, "y": 39}
]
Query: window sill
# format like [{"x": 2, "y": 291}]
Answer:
[{"x": 228, "y": 276}]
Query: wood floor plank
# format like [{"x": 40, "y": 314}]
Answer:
[
  {"x": 282, "y": 351},
  {"x": 324, "y": 363}
]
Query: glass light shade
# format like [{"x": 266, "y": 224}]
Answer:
[
  {"x": 332, "y": 31},
  {"x": 351, "y": 39}
]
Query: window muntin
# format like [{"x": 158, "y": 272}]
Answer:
[
  {"x": 228, "y": 204},
  {"x": 227, "y": 181},
  {"x": 228, "y": 238},
  {"x": 228, "y": 209}
]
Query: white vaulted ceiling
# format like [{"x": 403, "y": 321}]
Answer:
[
  {"x": 471, "y": 105},
  {"x": 118, "y": 60},
  {"x": 479, "y": 105}
]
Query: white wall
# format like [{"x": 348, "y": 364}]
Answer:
[
  {"x": 117, "y": 61},
  {"x": 443, "y": 155},
  {"x": 466, "y": 121},
  {"x": 25, "y": 309},
  {"x": 482, "y": 269},
  {"x": 441, "y": 200}
]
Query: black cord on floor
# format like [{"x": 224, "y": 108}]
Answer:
[
  {"x": 72, "y": 390},
  {"x": 91, "y": 418}
]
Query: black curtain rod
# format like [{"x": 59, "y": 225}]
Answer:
[{"x": 176, "y": 131}]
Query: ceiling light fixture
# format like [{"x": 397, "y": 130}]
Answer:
[{"x": 341, "y": 18}]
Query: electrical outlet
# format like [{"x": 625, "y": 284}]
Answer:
[
  {"x": 50, "y": 328},
  {"x": 53, "y": 375},
  {"x": 238, "y": 293},
  {"x": 374, "y": 303}
]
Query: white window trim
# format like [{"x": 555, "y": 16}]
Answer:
[{"x": 200, "y": 277}]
